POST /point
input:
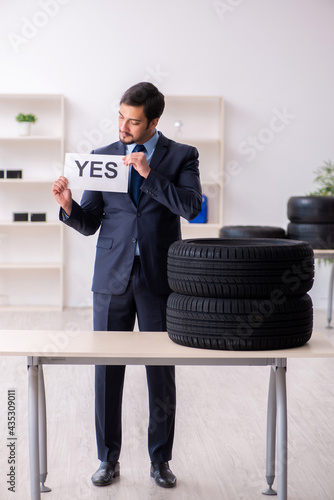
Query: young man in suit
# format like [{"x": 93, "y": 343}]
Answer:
[{"x": 130, "y": 275}]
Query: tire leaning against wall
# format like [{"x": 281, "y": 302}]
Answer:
[
  {"x": 240, "y": 268},
  {"x": 240, "y": 324}
]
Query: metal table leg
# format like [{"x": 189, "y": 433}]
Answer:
[
  {"x": 33, "y": 429},
  {"x": 282, "y": 431},
  {"x": 42, "y": 431},
  {"x": 330, "y": 298},
  {"x": 271, "y": 434}
]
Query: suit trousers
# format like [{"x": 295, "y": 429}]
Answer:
[{"x": 118, "y": 313}]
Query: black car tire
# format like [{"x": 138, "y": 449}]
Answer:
[
  {"x": 319, "y": 236},
  {"x": 239, "y": 324},
  {"x": 240, "y": 268},
  {"x": 251, "y": 232},
  {"x": 311, "y": 209}
]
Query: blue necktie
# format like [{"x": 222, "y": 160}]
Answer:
[{"x": 136, "y": 178}]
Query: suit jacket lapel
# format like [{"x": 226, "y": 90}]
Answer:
[
  {"x": 120, "y": 147},
  {"x": 159, "y": 152}
]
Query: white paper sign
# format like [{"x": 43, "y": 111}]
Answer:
[{"x": 96, "y": 172}]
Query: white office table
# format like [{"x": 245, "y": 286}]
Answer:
[{"x": 149, "y": 348}]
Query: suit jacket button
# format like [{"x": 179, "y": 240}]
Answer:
[
  {"x": 138, "y": 214},
  {"x": 134, "y": 240}
]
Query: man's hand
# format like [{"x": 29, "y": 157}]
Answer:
[
  {"x": 62, "y": 194},
  {"x": 139, "y": 162}
]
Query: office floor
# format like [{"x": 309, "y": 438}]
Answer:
[{"x": 219, "y": 450}]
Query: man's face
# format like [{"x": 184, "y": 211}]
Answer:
[{"x": 133, "y": 125}]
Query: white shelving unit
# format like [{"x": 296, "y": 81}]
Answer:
[
  {"x": 199, "y": 121},
  {"x": 31, "y": 253}
]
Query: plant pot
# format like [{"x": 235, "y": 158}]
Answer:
[{"x": 24, "y": 128}]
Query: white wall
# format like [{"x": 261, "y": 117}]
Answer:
[{"x": 267, "y": 58}]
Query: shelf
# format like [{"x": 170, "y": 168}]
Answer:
[
  {"x": 190, "y": 231},
  {"x": 30, "y": 224},
  {"x": 31, "y": 138},
  {"x": 49, "y": 109},
  {"x": 196, "y": 98},
  {"x": 26, "y": 181},
  {"x": 198, "y": 140},
  {"x": 199, "y": 225},
  {"x": 30, "y": 265},
  {"x": 30, "y": 308},
  {"x": 202, "y": 126},
  {"x": 39, "y": 97},
  {"x": 211, "y": 183},
  {"x": 201, "y": 119}
]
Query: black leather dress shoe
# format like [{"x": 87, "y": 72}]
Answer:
[
  {"x": 162, "y": 474},
  {"x": 106, "y": 473}
]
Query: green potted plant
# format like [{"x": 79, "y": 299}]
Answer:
[
  {"x": 325, "y": 178},
  {"x": 312, "y": 216},
  {"x": 25, "y": 122}
]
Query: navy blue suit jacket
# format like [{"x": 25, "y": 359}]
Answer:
[{"x": 172, "y": 189}]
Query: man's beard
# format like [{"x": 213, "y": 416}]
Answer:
[{"x": 130, "y": 141}]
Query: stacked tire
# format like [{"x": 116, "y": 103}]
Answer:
[
  {"x": 240, "y": 294},
  {"x": 251, "y": 232},
  {"x": 312, "y": 220}
]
